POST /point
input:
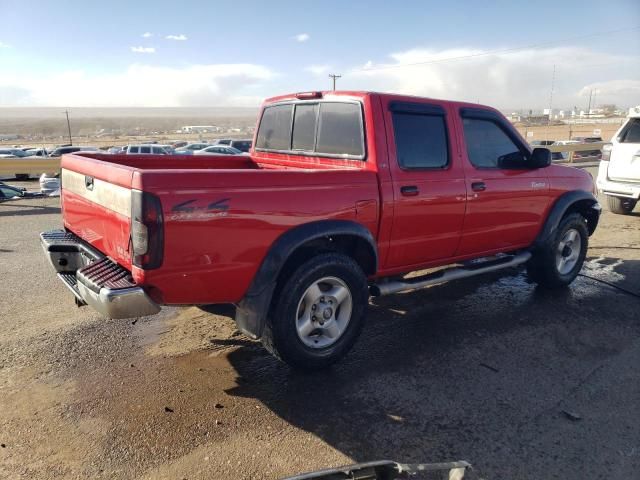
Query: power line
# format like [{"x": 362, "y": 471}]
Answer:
[{"x": 496, "y": 52}]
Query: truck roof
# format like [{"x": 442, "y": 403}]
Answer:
[{"x": 310, "y": 95}]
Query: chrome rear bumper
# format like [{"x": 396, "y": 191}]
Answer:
[{"x": 94, "y": 279}]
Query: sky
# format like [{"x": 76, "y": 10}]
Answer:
[{"x": 228, "y": 53}]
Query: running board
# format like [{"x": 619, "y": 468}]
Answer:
[{"x": 471, "y": 269}]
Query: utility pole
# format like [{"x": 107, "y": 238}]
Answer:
[
  {"x": 334, "y": 77},
  {"x": 553, "y": 81},
  {"x": 68, "y": 126},
  {"x": 589, "y": 107}
]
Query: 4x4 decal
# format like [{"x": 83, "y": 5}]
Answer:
[{"x": 189, "y": 211}]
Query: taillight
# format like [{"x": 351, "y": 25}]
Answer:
[
  {"x": 606, "y": 152},
  {"x": 147, "y": 232}
]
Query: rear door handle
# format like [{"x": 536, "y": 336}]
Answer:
[
  {"x": 409, "y": 190},
  {"x": 478, "y": 186}
]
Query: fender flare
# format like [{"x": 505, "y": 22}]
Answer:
[
  {"x": 251, "y": 311},
  {"x": 588, "y": 204}
]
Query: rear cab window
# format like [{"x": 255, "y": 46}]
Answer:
[{"x": 332, "y": 129}]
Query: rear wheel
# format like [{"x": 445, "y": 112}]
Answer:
[
  {"x": 558, "y": 263},
  {"x": 621, "y": 206},
  {"x": 318, "y": 312}
]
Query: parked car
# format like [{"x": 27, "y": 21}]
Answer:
[
  {"x": 59, "y": 151},
  {"x": 49, "y": 184},
  {"x": 218, "y": 150},
  {"x": 619, "y": 172},
  {"x": 13, "y": 153},
  {"x": 594, "y": 154},
  {"x": 37, "y": 152},
  {"x": 547, "y": 143},
  {"x": 147, "y": 149},
  {"x": 242, "y": 145},
  {"x": 8, "y": 192},
  {"x": 328, "y": 210},
  {"x": 190, "y": 148}
]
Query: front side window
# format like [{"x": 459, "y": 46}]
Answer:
[
  {"x": 145, "y": 149},
  {"x": 421, "y": 140},
  {"x": 133, "y": 150},
  {"x": 275, "y": 128},
  {"x": 487, "y": 142}
]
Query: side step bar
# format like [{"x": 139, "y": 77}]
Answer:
[{"x": 471, "y": 269}]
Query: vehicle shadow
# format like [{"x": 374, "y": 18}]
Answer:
[
  {"x": 22, "y": 208},
  {"x": 476, "y": 369}
]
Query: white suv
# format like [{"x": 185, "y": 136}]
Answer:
[{"x": 619, "y": 173}]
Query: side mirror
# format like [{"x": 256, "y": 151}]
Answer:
[{"x": 540, "y": 158}]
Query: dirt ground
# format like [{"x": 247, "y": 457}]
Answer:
[{"x": 522, "y": 383}]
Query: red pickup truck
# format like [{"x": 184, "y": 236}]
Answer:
[{"x": 341, "y": 196}]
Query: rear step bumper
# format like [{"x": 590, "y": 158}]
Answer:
[{"x": 94, "y": 279}]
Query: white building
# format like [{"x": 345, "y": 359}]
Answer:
[{"x": 200, "y": 129}]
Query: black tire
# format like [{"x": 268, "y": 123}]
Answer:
[
  {"x": 280, "y": 335},
  {"x": 621, "y": 206},
  {"x": 543, "y": 267}
]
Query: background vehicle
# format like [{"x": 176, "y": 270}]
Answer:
[
  {"x": 218, "y": 150},
  {"x": 37, "y": 152},
  {"x": 8, "y": 192},
  {"x": 59, "y": 151},
  {"x": 546, "y": 143},
  {"x": 619, "y": 172},
  {"x": 147, "y": 149},
  {"x": 343, "y": 194},
  {"x": 49, "y": 184},
  {"x": 191, "y": 148},
  {"x": 587, "y": 154},
  {"x": 242, "y": 145},
  {"x": 13, "y": 152}
]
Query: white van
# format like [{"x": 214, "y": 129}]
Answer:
[{"x": 619, "y": 173}]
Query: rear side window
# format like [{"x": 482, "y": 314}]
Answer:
[
  {"x": 340, "y": 129},
  {"x": 631, "y": 132},
  {"x": 145, "y": 149},
  {"x": 304, "y": 127},
  {"x": 275, "y": 128},
  {"x": 421, "y": 140},
  {"x": 486, "y": 142}
]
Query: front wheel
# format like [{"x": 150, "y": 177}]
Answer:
[
  {"x": 318, "y": 312},
  {"x": 558, "y": 263}
]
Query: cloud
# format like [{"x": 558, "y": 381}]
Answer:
[
  {"x": 318, "y": 69},
  {"x": 147, "y": 35},
  {"x": 143, "y": 49},
  {"x": 4, "y": 45},
  {"x": 140, "y": 86},
  {"x": 181, "y": 37},
  {"x": 301, "y": 37},
  {"x": 517, "y": 80}
]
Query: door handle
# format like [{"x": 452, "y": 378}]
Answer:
[
  {"x": 478, "y": 186},
  {"x": 88, "y": 182},
  {"x": 409, "y": 190}
]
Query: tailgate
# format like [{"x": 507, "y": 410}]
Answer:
[
  {"x": 624, "y": 164},
  {"x": 96, "y": 204}
]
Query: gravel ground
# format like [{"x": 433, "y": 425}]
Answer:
[{"x": 520, "y": 382}]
